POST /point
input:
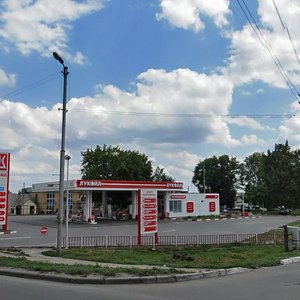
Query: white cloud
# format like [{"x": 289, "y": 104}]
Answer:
[
  {"x": 290, "y": 128},
  {"x": 172, "y": 106},
  {"x": 156, "y": 117},
  {"x": 260, "y": 91},
  {"x": 245, "y": 93},
  {"x": 252, "y": 140},
  {"x": 187, "y": 14},
  {"x": 42, "y": 25},
  {"x": 250, "y": 61},
  {"x": 246, "y": 122},
  {"x": 7, "y": 79}
]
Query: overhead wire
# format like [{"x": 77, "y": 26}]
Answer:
[
  {"x": 285, "y": 27},
  {"x": 29, "y": 87},
  {"x": 182, "y": 115},
  {"x": 268, "y": 47}
]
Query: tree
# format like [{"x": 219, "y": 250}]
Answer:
[
  {"x": 281, "y": 169},
  {"x": 222, "y": 175},
  {"x": 255, "y": 192},
  {"x": 274, "y": 177},
  {"x": 114, "y": 163},
  {"x": 160, "y": 175}
]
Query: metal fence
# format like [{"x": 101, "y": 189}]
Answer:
[{"x": 172, "y": 240}]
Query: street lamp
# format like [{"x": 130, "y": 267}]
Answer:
[
  {"x": 67, "y": 158},
  {"x": 62, "y": 157}
]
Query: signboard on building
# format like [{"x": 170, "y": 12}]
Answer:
[
  {"x": 96, "y": 184},
  {"x": 148, "y": 211},
  {"x": 4, "y": 182}
]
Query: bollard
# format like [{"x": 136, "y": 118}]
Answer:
[{"x": 285, "y": 238}]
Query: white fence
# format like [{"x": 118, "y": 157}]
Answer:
[{"x": 172, "y": 240}]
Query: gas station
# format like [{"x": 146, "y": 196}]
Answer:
[
  {"x": 82, "y": 190},
  {"x": 147, "y": 201}
]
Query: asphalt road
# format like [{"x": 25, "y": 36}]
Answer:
[
  {"x": 28, "y": 228},
  {"x": 274, "y": 283}
]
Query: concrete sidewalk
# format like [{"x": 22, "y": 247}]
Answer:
[{"x": 35, "y": 254}]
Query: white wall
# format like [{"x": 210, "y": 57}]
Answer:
[{"x": 202, "y": 204}]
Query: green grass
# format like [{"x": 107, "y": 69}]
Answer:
[
  {"x": 204, "y": 257},
  {"x": 296, "y": 223},
  {"x": 77, "y": 269},
  {"x": 209, "y": 257}
]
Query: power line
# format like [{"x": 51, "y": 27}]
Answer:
[
  {"x": 278, "y": 13},
  {"x": 268, "y": 47},
  {"x": 29, "y": 87},
  {"x": 285, "y": 27},
  {"x": 183, "y": 115}
]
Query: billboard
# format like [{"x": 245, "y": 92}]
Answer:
[
  {"x": 4, "y": 182},
  {"x": 148, "y": 211}
]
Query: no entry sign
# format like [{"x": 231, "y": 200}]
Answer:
[{"x": 44, "y": 230}]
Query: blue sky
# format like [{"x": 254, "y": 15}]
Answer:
[{"x": 164, "y": 77}]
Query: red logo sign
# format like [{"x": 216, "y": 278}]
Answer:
[
  {"x": 3, "y": 161},
  {"x": 211, "y": 196},
  {"x": 190, "y": 207},
  {"x": 178, "y": 196},
  {"x": 212, "y": 206}
]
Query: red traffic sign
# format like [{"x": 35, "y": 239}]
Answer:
[{"x": 44, "y": 230}]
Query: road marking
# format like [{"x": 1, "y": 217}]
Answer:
[
  {"x": 16, "y": 238},
  {"x": 172, "y": 230}
]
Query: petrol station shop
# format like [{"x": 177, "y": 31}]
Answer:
[{"x": 121, "y": 199}]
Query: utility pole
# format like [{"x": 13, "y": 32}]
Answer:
[
  {"x": 67, "y": 158},
  {"x": 204, "y": 188},
  {"x": 62, "y": 158}
]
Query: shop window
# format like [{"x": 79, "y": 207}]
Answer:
[
  {"x": 175, "y": 206},
  {"x": 70, "y": 200},
  {"x": 50, "y": 203}
]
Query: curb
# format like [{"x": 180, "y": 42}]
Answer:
[
  {"x": 119, "y": 280},
  {"x": 290, "y": 260},
  {"x": 224, "y": 219}
]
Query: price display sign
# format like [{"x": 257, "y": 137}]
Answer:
[
  {"x": 148, "y": 211},
  {"x": 4, "y": 181}
]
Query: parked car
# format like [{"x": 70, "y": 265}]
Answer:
[
  {"x": 257, "y": 207},
  {"x": 285, "y": 211}
]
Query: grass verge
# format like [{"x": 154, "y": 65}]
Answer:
[
  {"x": 77, "y": 269},
  {"x": 206, "y": 257}
]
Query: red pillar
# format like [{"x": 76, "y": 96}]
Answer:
[
  {"x": 139, "y": 241},
  {"x": 5, "y": 226}
]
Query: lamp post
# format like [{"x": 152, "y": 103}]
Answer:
[
  {"x": 204, "y": 174},
  {"x": 62, "y": 157},
  {"x": 67, "y": 158}
]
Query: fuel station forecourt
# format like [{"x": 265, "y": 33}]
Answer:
[{"x": 148, "y": 200}]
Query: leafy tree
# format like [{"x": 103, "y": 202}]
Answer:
[
  {"x": 160, "y": 175},
  {"x": 281, "y": 176},
  {"x": 111, "y": 162},
  {"x": 274, "y": 177},
  {"x": 222, "y": 175},
  {"x": 253, "y": 175}
]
